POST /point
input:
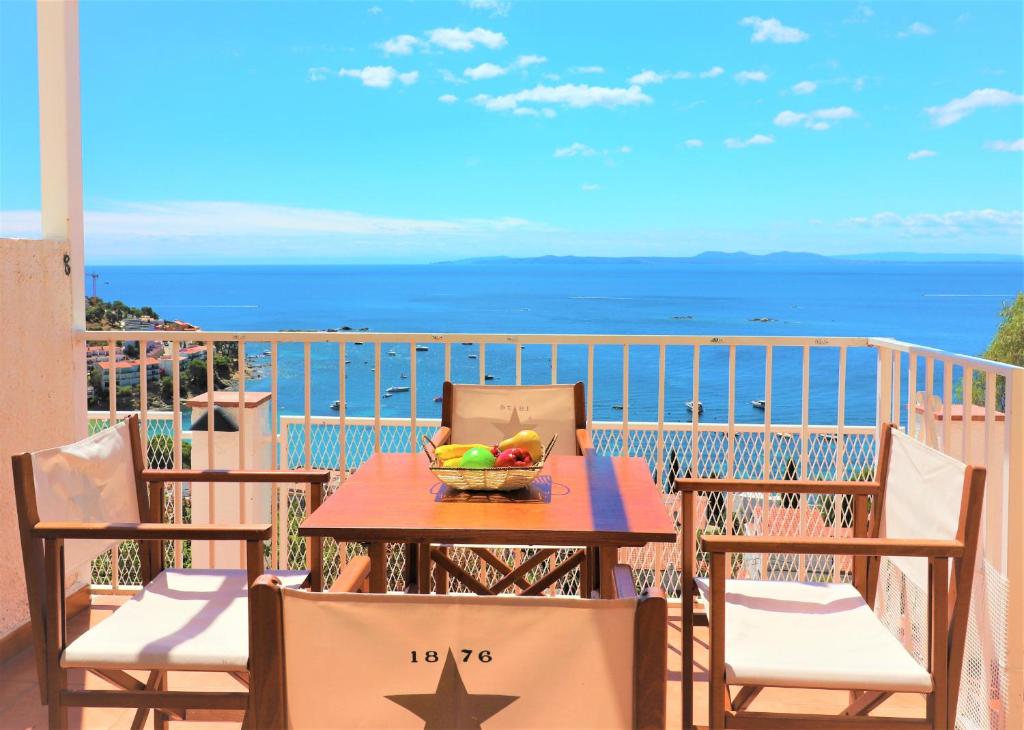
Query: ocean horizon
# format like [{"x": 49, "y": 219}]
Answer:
[{"x": 950, "y": 305}]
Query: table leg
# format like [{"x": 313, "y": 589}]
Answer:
[
  {"x": 440, "y": 574},
  {"x": 423, "y": 567},
  {"x": 378, "y": 567},
  {"x": 606, "y": 559}
]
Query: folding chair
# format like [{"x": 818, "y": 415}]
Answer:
[
  {"x": 74, "y": 503},
  {"x": 338, "y": 660},
  {"x": 922, "y": 512}
]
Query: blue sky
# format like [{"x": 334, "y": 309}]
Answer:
[{"x": 218, "y": 132}]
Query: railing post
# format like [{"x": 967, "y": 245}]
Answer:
[
  {"x": 1014, "y": 410},
  {"x": 883, "y": 389}
]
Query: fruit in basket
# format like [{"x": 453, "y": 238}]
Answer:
[
  {"x": 478, "y": 457},
  {"x": 514, "y": 457},
  {"x": 454, "y": 451},
  {"x": 456, "y": 462},
  {"x": 527, "y": 440}
]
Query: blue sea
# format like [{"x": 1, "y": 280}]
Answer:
[{"x": 948, "y": 305}]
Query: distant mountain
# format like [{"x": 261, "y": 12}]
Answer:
[{"x": 788, "y": 258}]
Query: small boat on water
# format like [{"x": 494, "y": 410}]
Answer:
[
  {"x": 348, "y": 362},
  {"x": 403, "y": 376},
  {"x": 438, "y": 399},
  {"x": 391, "y": 353},
  {"x": 336, "y": 405},
  {"x": 398, "y": 389},
  {"x": 387, "y": 395},
  {"x": 472, "y": 357},
  {"x": 266, "y": 353},
  {"x": 758, "y": 404},
  {"x": 421, "y": 348},
  {"x": 488, "y": 376},
  {"x": 616, "y": 406},
  {"x": 467, "y": 344},
  {"x": 690, "y": 406},
  {"x": 358, "y": 343}
]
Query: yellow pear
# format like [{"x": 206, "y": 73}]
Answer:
[{"x": 527, "y": 440}]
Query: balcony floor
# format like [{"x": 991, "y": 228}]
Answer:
[{"x": 20, "y": 707}]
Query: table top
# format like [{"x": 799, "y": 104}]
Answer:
[{"x": 594, "y": 500}]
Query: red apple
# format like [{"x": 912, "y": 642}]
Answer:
[
  {"x": 495, "y": 450},
  {"x": 514, "y": 457}
]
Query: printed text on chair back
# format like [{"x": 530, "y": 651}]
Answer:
[{"x": 488, "y": 414}]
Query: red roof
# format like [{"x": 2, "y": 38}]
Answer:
[{"x": 121, "y": 364}]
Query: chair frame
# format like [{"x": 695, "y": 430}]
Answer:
[
  {"x": 42, "y": 545},
  {"x": 421, "y": 556},
  {"x": 949, "y": 595},
  {"x": 267, "y": 658}
]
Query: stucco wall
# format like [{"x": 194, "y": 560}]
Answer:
[{"x": 36, "y": 382}]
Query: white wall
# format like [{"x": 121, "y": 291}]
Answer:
[{"x": 36, "y": 385}]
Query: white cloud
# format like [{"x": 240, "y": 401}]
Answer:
[
  {"x": 985, "y": 221},
  {"x": 1006, "y": 146},
  {"x": 447, "y": 98},
  {"x": 229, "y": 218},
  {"x": 375, "y": 10},
  {"x": 804, "y": 87},
  {"x": 858, "y": 83},
  {"x": 916, "y": 28},
  {"x": 646, "y": 77},
  {"x": 576, "y": 96},
  {"x": 529, "y": 60},
  {"x": 379, "y": 77},
  {"x": 496, "y": 7},
  {"x": 587, "y": 69},
  {"x": 625, "y": 149},
  {"x": 818, "y": 120},
  {"x": 693, "y": 143},
  {"x": 529, "y": 111},
  {"x": 456, "y": 39},
  {"x": 400, "y": 45},
  {"x": 734, "y": 143},
  {"x": 921, "y": 154},
  {"x": 862, "y": 14},
  {"x": 712, "y": 72},
  {"x": 770, "y": 29},
  {"x": 587, "y": 187},
  {"x": 745, "y": 76},
  {"x": 485, "y": 71},
  {"x": 576, "y": 148},
  {"x": 955, "y": 110},
  {"x": 319, "y": 73}
]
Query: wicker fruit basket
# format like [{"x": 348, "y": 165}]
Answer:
[{"x": 494, "y": 479}]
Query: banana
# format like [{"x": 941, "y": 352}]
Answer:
[
  {"x": 453, "y": 462},
  {"x": 452, "y": 451}
]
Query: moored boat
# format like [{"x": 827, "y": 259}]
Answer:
[
  {"x": 690, "y": 405},
  {"x": 758, "y": 404}
]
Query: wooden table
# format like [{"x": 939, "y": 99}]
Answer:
[{"x": 595, "y": 503}]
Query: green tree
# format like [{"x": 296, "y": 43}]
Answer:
[{"x": 1007, "y": 346}]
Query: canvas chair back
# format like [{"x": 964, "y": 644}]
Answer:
[
  {"x": 409, "y": 661},
  {"x": 491, "y": 413},
  {"x": 92, "y": 480},
  {"x": 923, "y": 499}
]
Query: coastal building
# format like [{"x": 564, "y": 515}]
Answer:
[
  {"x": 139, "y": 324},
  {"x": 101, "y": 353},
  {"x": 128, "y": 371},
  {"x": 185, "y": 354},
  {"x": 176, "y": 325}
]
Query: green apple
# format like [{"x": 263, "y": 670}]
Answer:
[{"x": 477, "y": 458}]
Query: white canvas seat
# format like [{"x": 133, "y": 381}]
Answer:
[
  {"x": 182, "y": 619},
  {"x": 811, "y": 635}
]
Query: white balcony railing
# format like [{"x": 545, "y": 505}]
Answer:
[{"x": 824, "y": 399}]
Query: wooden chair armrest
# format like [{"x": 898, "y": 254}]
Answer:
[
  {"x": 625, "y": 584},
  {"x": 833, "y": 546},
  {"x": 441, "y": 436},
  {"x": 797, "y": 486},
  {"x": 354, "y": 577},
  {"x": 583, "y": 440},
  {"x": 298, "y": 476},
  {"x": 149, "y": 531}
]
